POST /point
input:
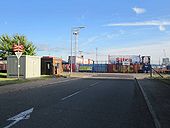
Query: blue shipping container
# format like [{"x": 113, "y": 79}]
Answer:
[{"x": 100, "y": 68}]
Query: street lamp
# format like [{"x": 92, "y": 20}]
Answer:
[{"x": 75, "y": 31}]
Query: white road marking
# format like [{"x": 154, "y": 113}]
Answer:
[
  {"x": 78, "y": 92},
  {"x": 21, "y": 116},
  {"x": 70, "y": 95},
  {"x": 63, "y": 81},
  {"x": 94, "y": 84}
]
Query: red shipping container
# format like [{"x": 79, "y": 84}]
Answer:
[
  {"x": 73, "y": 67},
  {"x": 3, "y": 67},
  {"x": 112, "y": 68},
  {"x": 136, "y": 68}
]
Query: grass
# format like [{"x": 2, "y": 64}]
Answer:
[
  {"x": 165, "y": 79},
  {"x": 74, "y": 74},
  {"x": 3, "y": 75},
  {"x": 7, "y": 81}
]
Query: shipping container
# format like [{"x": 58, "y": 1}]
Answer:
[
  {"x": 75, "y": 60},
  {"x": 146, "y": 68},
  {"x": 3, "y": 66},
  {"x": 86, "y": 68},
  {"x": 73, "y": 68},
  {"x": 112, "y": 68},
  {"x": 90, "y": 61},
  {"x": 66, "y": 67},
  {"x": 100, "y": 68},
  {"x": 85, "y": 61},
  {"x": 115, "y": 59},
  {"x": 168, "y": 67},
  {"x": 136, "y": 68},
  {"x": 115, "y": 68}
]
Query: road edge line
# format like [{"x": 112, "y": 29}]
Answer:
[{"x": 152, "y": 112}]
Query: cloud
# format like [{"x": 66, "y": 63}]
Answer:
[
  {"x": 144, "y": 23},
  {"x": 101, "y": 37},
  {"x": 161, "y": 24},
  {"x": 113, "y": 34},
  {"x": 139, "y": 10},
  {"x": 90, "y": 40},
  {"x": 162, "y": 28}
]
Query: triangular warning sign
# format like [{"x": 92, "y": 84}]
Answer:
[{"x": 18, "y": 54}]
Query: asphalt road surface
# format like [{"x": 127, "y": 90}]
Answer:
[{"x": 82, "y": 103}]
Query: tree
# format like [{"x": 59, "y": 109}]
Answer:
[{"x": 6, "y": 43}]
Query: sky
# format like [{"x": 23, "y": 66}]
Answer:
[{"x": 114, "y": 27}]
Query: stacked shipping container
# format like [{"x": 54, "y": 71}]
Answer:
[{"x": 3, "y": 66}]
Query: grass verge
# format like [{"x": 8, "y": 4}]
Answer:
[
  {"x": 7, "y": 81},
  {"x": 166, "y": 79},
  {"x": 3, "y": 75}
]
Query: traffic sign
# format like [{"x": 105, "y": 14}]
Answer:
[
  {"x": 18, "y": 54},
  {"x": 125, "y": 63},
  {"x": 18, "y": 48}
]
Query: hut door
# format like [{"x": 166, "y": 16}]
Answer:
[{"x": 48, "y": 68}]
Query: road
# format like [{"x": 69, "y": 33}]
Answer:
[{"x": 82, "y": 103}]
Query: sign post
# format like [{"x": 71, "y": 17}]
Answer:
[
  {"x": 18, "y": 49},
  {"x": 18, "y": 54}
]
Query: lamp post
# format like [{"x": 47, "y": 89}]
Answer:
[{"x": 75, "y": 31}]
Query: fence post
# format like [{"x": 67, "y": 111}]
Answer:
[{"x": 150, "y": 71}]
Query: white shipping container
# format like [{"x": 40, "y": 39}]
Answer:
[
  {"x": 85, "y": 61},
  {"x": 30, "y": 66},
  {"x": 113, "y": 59},
  {"x": 75, "y": 60},
  {"x": 90, "y": 61}
]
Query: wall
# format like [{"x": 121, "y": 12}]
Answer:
[{"x": 33, "y": 67}]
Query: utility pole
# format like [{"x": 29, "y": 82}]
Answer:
[
  {"x": 76, "y": 42},
  {"x": 76, "y": 32},
  {"x": 164, "y": 52},
  {"x": 71, "y": 57},
  {"x": 96, "y": 56}
]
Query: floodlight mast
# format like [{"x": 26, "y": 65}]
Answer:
[{"x": 75, "y": 32}]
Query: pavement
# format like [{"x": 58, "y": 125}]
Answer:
[
  {"x": 158, "y": 94},
  {"x": 103, "y": 101}
]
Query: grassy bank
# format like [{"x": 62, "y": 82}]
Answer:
[
  {"x": 3, "y": 75},
  {"x": 7, "y": 81},
  {"x": 165, "y": 79}
]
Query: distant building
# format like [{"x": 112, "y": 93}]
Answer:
[
  {"x": 79, "y": 60},
  {"x": 165, "y": 61}
]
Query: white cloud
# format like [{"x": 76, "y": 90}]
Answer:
[
  {"x": 102, "y": 37},
  {"x": 144, "y": 23},
  {"x": 89, "y": 41},
  {"x": 139, "y": 10},
  {"x": 161, "y": 24},
  {"x": 162, "y": 28}
]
